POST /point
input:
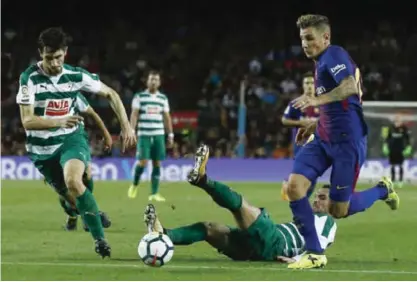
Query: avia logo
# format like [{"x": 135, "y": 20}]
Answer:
[
  {"x": 338, "y": 68},
  {"x": 153, "y": 110},
  {"x": 57, "y": 107}
]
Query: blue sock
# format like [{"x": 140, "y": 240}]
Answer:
[
  {"x": 304, "y": 220},
  {"x": 311, "y": 188},
  {"x": 361, "y": 201}
]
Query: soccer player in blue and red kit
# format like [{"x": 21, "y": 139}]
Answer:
[
  {"x": 339, "y": 140},
  {"x": 296, "y": 118}
]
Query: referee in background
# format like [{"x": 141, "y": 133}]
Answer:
[{"x": 397, "y": 147}]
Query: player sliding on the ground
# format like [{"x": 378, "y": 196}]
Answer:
[
  {"x": 56, "y": 143},
  {"x": 68, "y": 201},
  {"x": 339, "y": 140},
  {"x": 257, "y": 237},
  {"x": 150, "y": 112}
]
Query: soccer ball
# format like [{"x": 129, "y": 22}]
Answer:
[{"x": 155, "y": 249}]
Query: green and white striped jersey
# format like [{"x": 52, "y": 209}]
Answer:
[
  {"x": 53, "y": 97},
  {"x": 294, "y": 242},
  {"x": 151, "y": 112}
]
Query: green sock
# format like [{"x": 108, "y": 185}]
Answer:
[
  {"x": 67, "y": 207},
  {"x": 138, "y": 172},
  {"x": 156, "y": 173},
  {"x": 87, "y": 206},
  {"x": 89, "y": 184},
  {"x": 187, "y": 235},
  {"x": 221, "y": 194}
]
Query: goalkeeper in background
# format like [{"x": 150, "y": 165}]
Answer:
[
  {"x": 150, "y": 111},
  {"x": 397, "y": 147}
]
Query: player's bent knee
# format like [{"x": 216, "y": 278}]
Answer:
[
  {"x": 88, "y": 172},
  {"x": 73, "y": 176},
  {"x": 297, "y": 186},
  {"x": 339, "y": 209},
  {"x": 246, "y": 215},
  {"x": 156, "y": 163},
  {"x": 74, "y": 184}
]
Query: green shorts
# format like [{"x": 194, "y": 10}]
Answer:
[
  {"x": 74, "y": 147},
  {"x": 151, "y": 148},
  {"x": 260, "y": 242}
]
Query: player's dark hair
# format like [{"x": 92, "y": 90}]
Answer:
[
  {"x": 154, "y": 72},
  {"x": 318, "y": 21},
  {"x": 54, "y": 38},
  {"x": 308, "y": 74},
  {"x": 326, "y": 186}
]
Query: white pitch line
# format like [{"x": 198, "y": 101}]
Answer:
[{"x": 140, "y": 265}]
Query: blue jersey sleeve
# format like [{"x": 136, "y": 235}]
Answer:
[
  {"x": 292, "y": 113},
  {"x": 339, "y": 64}
]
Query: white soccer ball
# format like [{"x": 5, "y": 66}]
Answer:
[{"x": 155, "y": 249}]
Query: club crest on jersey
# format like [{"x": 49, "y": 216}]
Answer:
[
  {"x": 320, "y": 90},
  {"x": 57, "y": 107}
]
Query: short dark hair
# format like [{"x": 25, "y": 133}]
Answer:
[
  {"x": 154, "y": 72},
  {"x": 53, "y": 38},
  {"x": 318, "y": 21},
  {"x": 308, "y": 74}
]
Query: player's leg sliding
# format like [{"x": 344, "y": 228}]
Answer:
[
  {"x": 220, "y": 193},
  {"x": 184, "y": 235},
  {"x": 384, "y": 190}
]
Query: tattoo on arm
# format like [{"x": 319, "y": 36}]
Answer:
[{"x": 346, "y": 88}]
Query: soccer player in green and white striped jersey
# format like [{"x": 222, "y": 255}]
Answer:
[
  {"x": 150, "y": 115},
  {"x": 68, "y": 202},
  {"x": 55, "y": 141},
  {"x": 257, "y": 237}
]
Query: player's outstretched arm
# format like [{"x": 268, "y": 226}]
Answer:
[
  {"x": 128, "y": 134},
  {"x": 347, "y": 87},
  {"x": 32, "y": 122}
]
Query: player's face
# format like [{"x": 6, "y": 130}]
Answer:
[
  {"x": 154, "y": 81},
  {"x": 313, "y": 41},
  {"x": 308, "y": 85},
  {"x": 52, "y": 61},
  {"x": 321, "y": 201}
]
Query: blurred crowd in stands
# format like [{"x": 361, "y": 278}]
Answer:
[{"x": 202, "y": 68}]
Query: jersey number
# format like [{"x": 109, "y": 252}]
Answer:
[{"x": 358, "y": 79}]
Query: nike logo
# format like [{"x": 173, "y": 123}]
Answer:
[
  {"x": 42, "y": 86},
  {"x": 341, "y": 187}
]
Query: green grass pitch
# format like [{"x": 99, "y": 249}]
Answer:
[{"x": 378, "y": 244}]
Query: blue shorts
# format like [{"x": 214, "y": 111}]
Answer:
[{"x": 345, "y": 158}]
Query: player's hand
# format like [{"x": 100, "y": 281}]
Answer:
[
  {"x": 304, "y": 101},
  {"x": 170, "y": 143},
  {"x": 285, "y": 259},
  {"x": 71, "y": 121},
  {"x": 304, "y": 133},
  {"x": 108, "y": 143},
  {"x": 128, "y": 138}
]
